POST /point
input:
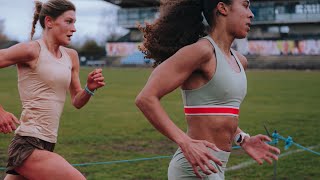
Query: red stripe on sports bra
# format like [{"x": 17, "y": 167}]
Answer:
[{"x": 203, "y": 110}]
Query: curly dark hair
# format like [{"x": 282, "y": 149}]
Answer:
[{"x": 180, "y": 24}]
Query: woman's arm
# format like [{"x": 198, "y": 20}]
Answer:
[
  {"x": 168, "y": 76},
  {"x": 255, "y": 146},
  {"x": 19, "y": 53},
  {"x": 243, "y": 60},
  {"x": 95, "y": 80},
  {"x": 22, "y": 53}
]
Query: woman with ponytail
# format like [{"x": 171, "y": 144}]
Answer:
[
  {"x": 212, "y": 81},
  {"x": 46, "y": 71}
]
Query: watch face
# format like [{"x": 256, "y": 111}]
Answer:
[{"x": 238, "y": 138}]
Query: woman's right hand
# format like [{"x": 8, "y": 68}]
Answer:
[
  {"x": 198, "y": 155},
  {"x": 7, "y": 121},
  {"x": 95, "y": 79}
]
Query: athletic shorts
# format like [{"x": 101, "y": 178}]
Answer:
[
  {"x": 21, "y": 148},
  {"x": 181, "y": 169}
]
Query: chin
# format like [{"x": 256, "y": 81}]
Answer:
[
  {"x": 241, "y": 35},
  {"x": 65, "y": 43}
]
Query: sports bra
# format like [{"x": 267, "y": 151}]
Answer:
[{"x": 223, "y": 94}]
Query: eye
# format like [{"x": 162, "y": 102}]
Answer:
[{"x": 246, "y": 4}]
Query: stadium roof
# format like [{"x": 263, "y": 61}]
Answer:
[
  {"x": 135, "y": 3},
  {"x": 153, "y": 3}
]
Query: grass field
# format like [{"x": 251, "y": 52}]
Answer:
[{"x": 111, "y": 128}]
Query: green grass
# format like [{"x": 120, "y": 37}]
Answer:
[{"x": 111, "y": 128}]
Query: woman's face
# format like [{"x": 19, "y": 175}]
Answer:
[
  {"x": 239, "y": 18},
  {"x": 63, "y": 27}
]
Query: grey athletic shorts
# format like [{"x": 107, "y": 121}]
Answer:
[
  {"x": 21, "y": 148},
  {"x": 181, "y": 169}
]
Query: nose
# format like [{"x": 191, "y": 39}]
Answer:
[
  {"x": 251, "y": 15},
  {"x": 73, "y": 29}
]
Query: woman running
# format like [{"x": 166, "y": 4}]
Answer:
[
  {"x": 213, "y": 84},
  {"x": 46, "y": 70}
]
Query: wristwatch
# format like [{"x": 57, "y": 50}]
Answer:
[{"x": 238, "y": 139}]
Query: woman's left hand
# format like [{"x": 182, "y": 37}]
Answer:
[
  {"x": 95, "y": 80},
  {"x": 259, "y": 150}
]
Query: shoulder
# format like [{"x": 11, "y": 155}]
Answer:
[
  {"x": 73, "y": 55},
  {"x": 203, "y": 47},
  {"x": 27, "y": 53},
  {"x": 201, "y": 50},
  {"x": 31, "y": 50},
  {"x": 190, "y": 57},
  {"x": 243, "y": 60},
  {"x": 71, "y": 52}
]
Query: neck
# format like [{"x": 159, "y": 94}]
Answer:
[
  {"x": 51, "y": 43},
  {"x": 223, "y": 39}
]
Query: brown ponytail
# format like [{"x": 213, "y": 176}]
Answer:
[{"x": 36, "y": 15}]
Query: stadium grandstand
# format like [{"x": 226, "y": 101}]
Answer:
[{"x": 282, "y": 29}]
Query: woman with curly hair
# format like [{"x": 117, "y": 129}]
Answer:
[
  {"x": 46, "y": 71},
  {"x": 212, "y": 81}
]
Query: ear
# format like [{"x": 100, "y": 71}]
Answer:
[
  {"x": 222, "y": 8},
  {"x": 48, "y": 21}
]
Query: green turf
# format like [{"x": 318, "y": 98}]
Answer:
[{"x": 111, "y": 128}]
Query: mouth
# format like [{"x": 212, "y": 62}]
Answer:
[
  {"x": 69, "y": 36},
  {"x": 248, "y": 25}
]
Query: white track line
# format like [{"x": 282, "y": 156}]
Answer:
[{"x": 250, "y": 162}]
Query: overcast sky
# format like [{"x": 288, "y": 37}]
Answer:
[{"x": 95, "y": 18}]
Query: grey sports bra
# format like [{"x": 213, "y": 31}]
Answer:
[{"x": 223, "y": 94}]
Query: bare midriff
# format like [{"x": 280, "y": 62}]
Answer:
[{"x": 218, "y": 130}]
